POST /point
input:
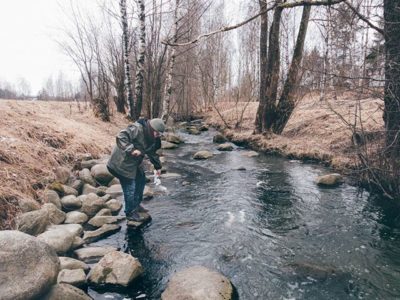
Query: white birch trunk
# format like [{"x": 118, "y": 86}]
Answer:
[{"x": 141, "y": 58}]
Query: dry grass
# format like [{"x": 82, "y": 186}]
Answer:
[
  {"x": 36, "y": 137},
  {"x": 315, "y": 131}
]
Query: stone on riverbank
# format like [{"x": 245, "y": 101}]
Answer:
[
  {"x": 50, "y": 196},
  {"x": 250, "y": 153},
  {"x": 76, "y": 217},
  {"x": 198, "y": 283},
  {"x": 27, "y": 205},
  {"x": 33, "y": 222},
  {"x": 69, "y": 190},
  {"x": 329, "y": 180},
  {"x": 102, "y": 232},
  {"x": 62, "y": 174},
  {"x": 55, "y": 215},
  {"x": 91, "y": 204},
  {"x": 98, "y": 221},
  {"x": 65, "y": 291},
  {"x": 69, "y": 263},
  {"x": 225, "y": 147},
  {"x": 77, "y": 243},
  {"x": 19, "y": 253},
  {"x": 75, "y": 277},
  {"x": 104, "y": 211},
  {"x": 168, "y": 145},
  {"x": 204, "y": 154},
  {"x": 173, "y": 138},
  {"x": 71, "y": 202},
  {"x": 86, "y": 177},
  {"x": 193, "y": 130},
  {"x": 116, "y": 268},
  {"x": 114, "y": 206},
  {"x": 101, "y": 175},
  {"x": 219, "y": 138},
  {"x": 60, "y": 237},
  {"x": 87, "y": 189},
  {"x": 115, "y": 190},
  {"x": 90, "y": 254}
]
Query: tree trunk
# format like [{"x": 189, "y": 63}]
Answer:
[
  {"x": 124, "y": 20},
  {"x": 287, "y": 100},
  {"x": 263, "y": 65},
  {"x": 140, "y": 62},
  {"x": 391, "y": 114},
  {"x": 273, "y": 66},
  {"x": 168, "y": 82}
]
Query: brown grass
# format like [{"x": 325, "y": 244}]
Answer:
[
  {"x": 36, "y": 137},
  {"x": 315, "y": 131}
]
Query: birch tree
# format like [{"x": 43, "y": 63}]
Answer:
[{"x": 141, "y": 58}]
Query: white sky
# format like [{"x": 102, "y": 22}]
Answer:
[{"x": 28, "y": 29}]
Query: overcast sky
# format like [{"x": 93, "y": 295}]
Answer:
[{"x": 28, "y": 29}]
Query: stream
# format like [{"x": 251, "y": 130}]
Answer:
[{"x": 269, "y": 229}]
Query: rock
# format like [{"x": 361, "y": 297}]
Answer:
[
  {"x": 76, "y": 277},
  {"x": 204, "y": 154},
  {"x": 116, "y": 268},
  {"x": 115, "y": 190},
  {"x": 77, "y": 184},
  {"x": 102, "y": 232},
  {"x": 101, "y": 191},
  {"x": 148, "y": 193},
  {"x": 106, "y": 197},
  {"x": 58, "y": 187},
  {"x": 66, "y": 292},
  {"x": 98, "y": 221},
  {"x": 333, "y": 179},
  {"x": 72, "y": 264},
  {"x": 101, "y": 175},
  {"x": 55, "y": 215},
  {"x": 193, "y": 130},
  {"x": 203, "y": 128},
  {"x": 33, "y": 222},
  {"x": 219, "y": 138},
  {"x": 92, "y": 204},
  {"x": 59, "y": 238},
  {"x": 76, "y": 217},
  {"x": 105, "y": 211},
  {"x": 69, "y": 190},
  {"x": 185, "y": 183},
  {"x": 168, "y": 145},
  {"x": 198, "y": 283},
  {"x": 71, "y": 202},
  {"x": 87, "y": 189},
  {"x": 62, "y": 174},
  {"x": 134, "y": 225},
  {"x": 173, "y": 138},
  {"x": 88, "y": 164},
  {"x": 91, "y": 254},
  {"x": 225, "y": 147},
  {"x": 75, "y": 229},
  {"x": 115, "y": 180},
  {"x": 86, "y": 177},
  {"x": 28, "y": 267},
  {"x": 77, "y": 243},
  {"x": 250, "y": 153},
  {"x": 51, "y": 196},
  {"x": 27, "y": 205},
  {"x": 241, "y": 169}
]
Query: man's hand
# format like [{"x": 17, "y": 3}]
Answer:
[
  {"x": 158, "y": 172},
  {"x": 136, "y": 153}
]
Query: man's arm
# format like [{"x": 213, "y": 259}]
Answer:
[{"x": 125, "y": 139}]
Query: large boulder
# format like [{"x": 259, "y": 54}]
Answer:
[
  {"x": 115, "y": 190},
  {"x": 116, "y": 268},
  {"x": 168, "y": 145},
  {"x": 101, "y": 175},
  {"x": 219, "y": 138},
  {"x": 66, "y": 292},
  {"x": 71, "y": 202},
  {"x": 50, "y": 196},
  {"x": 330, "y": 180},
  {"x": 87, "y": 177},
  {"x": 28, "y": 267},
  {"x": 76, "y": 217},
  {"x": 198, "y": 283},
  {"x": 75, "y": 277},
  {"x": 91, "y": 204},
  {"x": 91, "y": 254},
  {"x": 27, "y": 205},
  {"x": 55, "y": 215},
  {"x": 33, "y": 222},
  {"x": 102, "y": 232},
  {"x": 204, "y": 154}
]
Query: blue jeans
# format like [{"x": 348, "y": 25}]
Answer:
[{"x": 133, "y": 190}]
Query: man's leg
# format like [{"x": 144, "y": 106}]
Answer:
[
  {"x": 140, "y": 184},
  {"x": 128, "y": 187}
]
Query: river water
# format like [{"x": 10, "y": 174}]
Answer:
[{"x": 269, "y": 229}]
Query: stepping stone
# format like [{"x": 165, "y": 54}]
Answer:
[
  {"x": 76, "y": 217},
  {"x": 102, "y": 232},
  {"x": 65, "y": 291},
  {"x": 204, "y": 154},
  {"x": 75, "y": 277},
  {"x": 92, "y": 254},
  {"x": 114, "y": 206},
  {"x": 98, "y": 221},
  {"x": 115, "y": 190},
  {"x": 225, "y": 147},
  {"x": 135, "y": 225},
  {"x": 72, "y": 264}
]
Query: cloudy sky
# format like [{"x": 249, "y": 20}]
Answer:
[{"x": 28, "y": 49}]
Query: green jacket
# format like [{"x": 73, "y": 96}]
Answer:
[{"x": 135, "y": 136}]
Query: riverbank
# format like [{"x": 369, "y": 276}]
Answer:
[{"x": 317, "y": 131}]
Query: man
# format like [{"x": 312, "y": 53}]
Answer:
[{"x": 133, "y": 143}]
